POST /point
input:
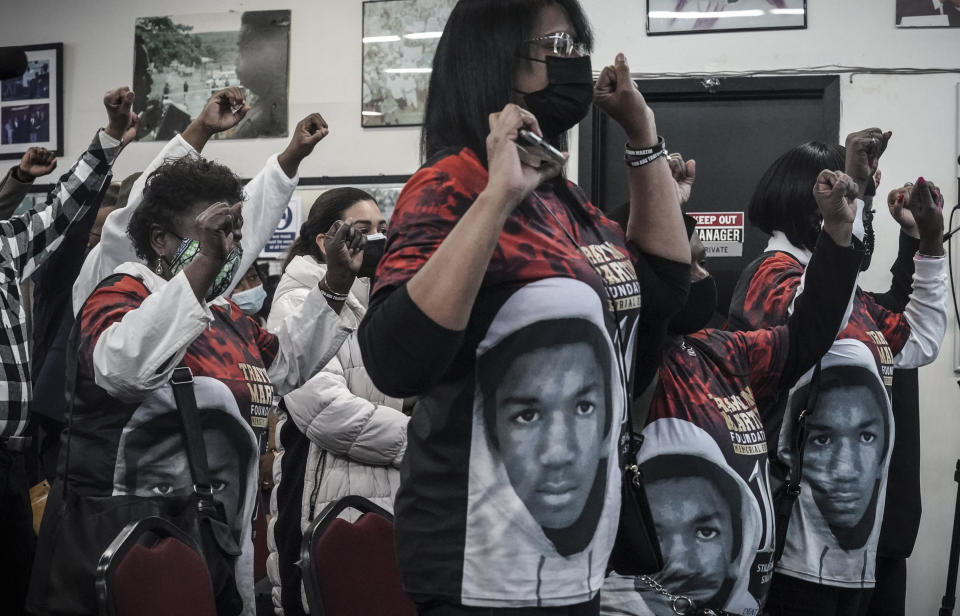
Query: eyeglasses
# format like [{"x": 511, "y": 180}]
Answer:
[{"x": 560, "y": 44}]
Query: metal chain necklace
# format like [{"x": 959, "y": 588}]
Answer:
[{"x": 680, "y": 604}]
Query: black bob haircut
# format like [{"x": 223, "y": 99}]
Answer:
[
  {"x": 783, "y": 200},
  {"x": 475, "y": 66},
  {"x": 494, "y": 364},
  {"x": 172, "y": 191}
]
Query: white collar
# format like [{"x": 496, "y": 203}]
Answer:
[{"x": 779, "y": 243}]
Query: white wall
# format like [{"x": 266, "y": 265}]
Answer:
[{"x": 325, "y": 77}]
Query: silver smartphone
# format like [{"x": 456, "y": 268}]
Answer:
[{"x": 537, "y": 146}]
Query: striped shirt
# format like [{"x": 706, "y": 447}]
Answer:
[{"x": 26, "y": 241}]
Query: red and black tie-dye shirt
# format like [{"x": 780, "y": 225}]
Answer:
[
  {"x": 482, "y": 518},
  {"x": 832, "y": 540},
  {"x": 766, "y": 300},
  {"x": 233, "y": 349},
  {"x": 705, "y": 451},
  {"x": 705, "y": 462}
]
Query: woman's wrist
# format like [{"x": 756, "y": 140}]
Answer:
[
  {"x": 337, "y": 283},
  {"x": 840, "y": 232},
  {"x": 196, "y": 135},
  {"x": 502, "y": 199},
  {"x": 931, "y": 247},
  {"x": 642, "y": 129}
]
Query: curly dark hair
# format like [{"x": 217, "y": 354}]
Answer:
[{"x": 173, "y": 189}]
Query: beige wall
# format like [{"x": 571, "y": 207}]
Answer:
[{"x": 325, "y": 77}]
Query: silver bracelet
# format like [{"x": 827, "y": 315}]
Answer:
[{"x": 333, "y": 297}]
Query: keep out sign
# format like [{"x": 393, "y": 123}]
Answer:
[{"x": 720, "y": 232}]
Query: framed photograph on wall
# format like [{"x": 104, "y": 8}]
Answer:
[
  {"x": 698, "y": 16},
  {"x": 179, "y": 61},
  {"x": 31, "y": 106},
  {"x": 399, "y": 40},
  {"x": 928, "y": 13},
  {"x": 385, "y": 190}
]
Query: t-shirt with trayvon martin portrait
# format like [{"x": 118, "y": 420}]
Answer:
[
  {"x": 835, "y": 526},
  {"x": 510, "y": 485}
]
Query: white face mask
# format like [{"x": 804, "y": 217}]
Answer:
[{"x": 251, "y": 300}]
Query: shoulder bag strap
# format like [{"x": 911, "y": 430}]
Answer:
[
  {"x": 182, "y": 384},
  {"x": 791, "y": 489}
]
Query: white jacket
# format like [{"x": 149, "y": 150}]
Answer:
[
  {"x": 357, "y": 434},
  {"x": 266, "y": 198}
]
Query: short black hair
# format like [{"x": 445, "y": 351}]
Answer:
[
  {"x": 475, "y": 65},
  {"x": 173, "y": 189},
  {"x": 493, "y": 365},
  {"x": 783, "y": 199},
  {"x": 326, "y": 210}
]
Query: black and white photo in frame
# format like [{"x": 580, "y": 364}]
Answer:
[
  {"x": 399, "y": 41},
  {"x": 179, "y": 61},
  {"x": 30, "y": 105},
  {"x": 928, "y": 13},
  {"x": 688, "y": 16}
]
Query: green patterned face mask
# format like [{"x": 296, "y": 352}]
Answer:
[{"x": 189, "y": 250}]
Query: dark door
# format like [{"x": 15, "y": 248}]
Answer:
[{"x": 734, "y": 128}]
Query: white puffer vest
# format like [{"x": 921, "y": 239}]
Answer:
[{"x": 357, "y": 434}]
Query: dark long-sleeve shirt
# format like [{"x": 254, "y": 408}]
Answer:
[{"x": 492, "y": 509}]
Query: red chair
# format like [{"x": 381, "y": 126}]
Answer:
[
  {"x": 350, "y": 568},
  {"x": 153, "y": 568}
]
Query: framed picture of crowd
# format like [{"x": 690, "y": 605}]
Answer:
[
  {"x": 31, "y": 112},
  {"x": 399, "y": 41},
  {"x": 700, "y": 16}
]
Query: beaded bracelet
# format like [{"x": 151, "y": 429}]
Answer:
[{"x": 631, "y": 152}]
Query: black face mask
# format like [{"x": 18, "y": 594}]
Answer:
[
  {"x": 371, "y": 258},
  {"x": 699, "y": 309},
  {"x": 567, "y": 98}
]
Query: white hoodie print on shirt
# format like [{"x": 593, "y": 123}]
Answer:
[{"x": 508, "y": 553}]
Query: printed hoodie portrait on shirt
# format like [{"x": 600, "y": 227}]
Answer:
[
  {"x": 152, "y": 457},
  {"x": 707, "y": 519},
  {"x": 548, "y": 405},
  {"x": 849, "y": 437}
]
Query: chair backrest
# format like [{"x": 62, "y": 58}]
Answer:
[
  {"x": 153, "y": 568},
  {"x": 351, "y": 568}
]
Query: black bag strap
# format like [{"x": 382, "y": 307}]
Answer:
[
  {"x": 182, "y": 383},
  {"x": 791, "y": 487}
]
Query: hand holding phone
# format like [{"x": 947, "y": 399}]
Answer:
[{"x": 533, "y": 145}]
